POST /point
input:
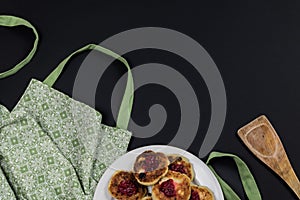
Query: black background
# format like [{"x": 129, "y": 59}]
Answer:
[{"x": 256, "y": 46}]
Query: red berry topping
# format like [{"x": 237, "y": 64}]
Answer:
[
  {"x": 194, "y": 195},
  {"x": 127, "y": 188},
  {"x": 177, "y": 168},
  {"x": 168, "y": 188},
  {"x": 150, "y": 163}
]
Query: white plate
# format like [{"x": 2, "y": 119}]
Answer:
[{"x": 203, "y": 175}]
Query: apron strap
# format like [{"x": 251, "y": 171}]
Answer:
[
  {"x": 126, "y": 105},
  {"x": 247, "y": 178},
  {"x": 11, "y": 21}
]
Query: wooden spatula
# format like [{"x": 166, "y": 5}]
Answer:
[{"x": 261, "y": 138}]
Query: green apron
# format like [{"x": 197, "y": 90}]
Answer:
[{"x": 53, "y": 147}]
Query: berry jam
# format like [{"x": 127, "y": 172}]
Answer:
[
  {"x": 177, "y": 168},
  {"x": 194, "y": 195},
  {"x": 168, "y": 188},
  {"x": 150, "y": 163},
  {"x": 127, "y": 188}
]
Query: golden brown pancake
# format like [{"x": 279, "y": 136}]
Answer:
[
  {"x": 201, "y": 193},
  {"x": 123, "y": 186},
  {"x": 174, "y": 186},
  {"x": 182, "y": 165},
  {"x": 150, "y": 167}
]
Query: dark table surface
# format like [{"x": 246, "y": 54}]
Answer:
[{"x": 255, "y": 45}]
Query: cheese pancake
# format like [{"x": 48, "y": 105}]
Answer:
[
  {"x": 123, "y": 186},
  {"x": 174, "y": 186},
  {"x": 182, "y": 165},
  {"x": 201, "y": 193},
  {"x": 150, "y": 167}
]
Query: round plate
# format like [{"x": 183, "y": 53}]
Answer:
[{"x": 203, "y": 175}]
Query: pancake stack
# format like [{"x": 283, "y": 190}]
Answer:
[{"x": 170, "y": 177}]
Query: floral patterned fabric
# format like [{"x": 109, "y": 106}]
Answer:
[{"x": 53, "y": 147}]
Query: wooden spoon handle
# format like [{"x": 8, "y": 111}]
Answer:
[{"x": 261, "y": 138}]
